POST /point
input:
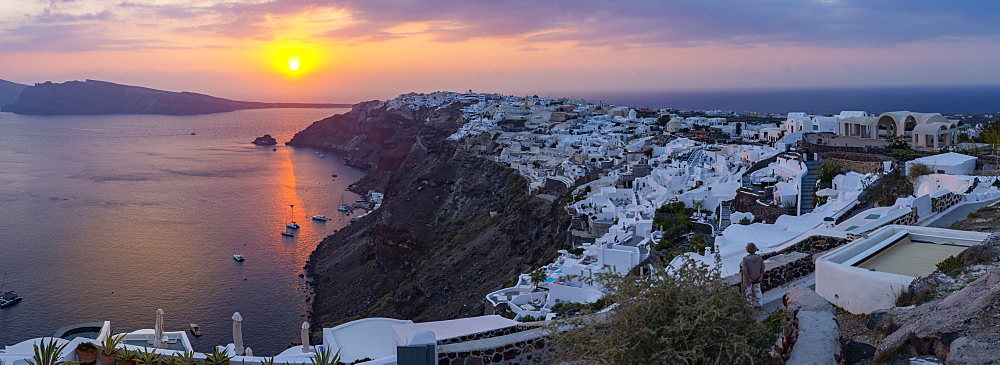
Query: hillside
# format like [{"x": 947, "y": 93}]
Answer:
[
  {"x": 99, "y": 97},
  {"x": 9, "y": 92},
  {"x": 452, "y": 228}
]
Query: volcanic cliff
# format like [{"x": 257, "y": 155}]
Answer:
[{"x": 453, "y": 227}]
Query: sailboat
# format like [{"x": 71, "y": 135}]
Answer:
[
  {"x": 8, "y": 298},
  {"x": 292, "y": 225},
  {"x": 343, "y": 207}
]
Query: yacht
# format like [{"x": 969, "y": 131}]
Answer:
[
  {"x": 287, "y": 234},
  {"x": 8, "y": 299},
  {"x": 292, "y": 225},
  {"x": 195, "y": 330},
  {"x": 239, "y": 257},
  {"x": 320, "y": 217},
  {"x": 344, "y": 208}
]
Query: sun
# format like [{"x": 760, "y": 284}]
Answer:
[{"x": 294, "y": 59}]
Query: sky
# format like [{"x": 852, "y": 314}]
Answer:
[{"x": 354, "y": 50}]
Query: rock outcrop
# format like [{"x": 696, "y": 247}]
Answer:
[
  {"x": 100, "y": 97},
  {"x": 265, "y": 140},
  {"x": 9, "y": 92},
  {"x": 451, "y": 229}
]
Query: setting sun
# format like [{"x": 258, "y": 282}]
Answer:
[{"x": 294, "y": 60}]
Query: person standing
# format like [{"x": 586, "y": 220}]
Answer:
[{"x": 752, "y": 272}]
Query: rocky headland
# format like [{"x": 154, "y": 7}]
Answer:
[
  {"x": 265, "y": 140},
  {"x": 100, "y": 97},
  {"x": 9, "y": 91},
  {"x": 452, "y": 228}
]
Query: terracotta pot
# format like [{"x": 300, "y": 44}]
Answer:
[
  {"x": 126, "y": 362},
  {"x": 108, "y": 359},
  {"x": 86, "y": 357}
]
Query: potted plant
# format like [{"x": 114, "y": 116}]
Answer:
[
  {"x": 187, "y": 358},
  {"x": 109, "y": 348},
  {"x": 267, "y": 361},
  {"x": 86, "y": 353},
  {"x": 148, "y": 356},
  {"x": 48, "y": 353},
  {"x": 126, "y": 357},
  {"x": 324, "y": 357},
  {"x": 217, "y": 357}
]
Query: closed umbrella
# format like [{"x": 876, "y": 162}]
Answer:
[
  {"x": 238, "y": 333},
  {"x": 305, "y": 336},
  {"x": 158, "y": 330},
  {"x": 249, "y": 352}
]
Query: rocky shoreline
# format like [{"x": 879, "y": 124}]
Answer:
[{"x": 452, "y": 228}]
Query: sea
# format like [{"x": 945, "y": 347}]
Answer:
[
  {"x": 928, "y": 99},
  {"x": 112, "y": 217}
]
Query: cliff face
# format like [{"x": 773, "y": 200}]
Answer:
[
  {"x": 99, "y": 97},
  {"x": 452, "y": 227},
  {"x": 9, "y": 92}
]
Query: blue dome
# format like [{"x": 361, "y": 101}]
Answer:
[
  {"x": 538, "y": 103},
  {"x": 535, "y": 96}
]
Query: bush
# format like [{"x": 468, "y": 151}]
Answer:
[
  {"x": 917, "y": 170},
  {"x": 688, "y": 315}
]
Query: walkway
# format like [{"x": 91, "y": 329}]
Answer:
[{"x": 957, "y": 213}]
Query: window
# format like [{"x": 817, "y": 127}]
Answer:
[{"x": 815, "y": 127}]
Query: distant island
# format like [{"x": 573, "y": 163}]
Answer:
[
  {"x": 101, "y": 97},
  {"x": 9, "y": 92}
]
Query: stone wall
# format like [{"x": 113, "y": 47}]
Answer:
[
  {"x": 526, "y": 347},
  {"x": 858, "y": 162},
  {"x": 909, "y": 219},
  {"x": 946, "y": 201},
  {"x": 812, "y": 245},
  {"x": 808, "y": 145},
  {"x": 787, "y": 268}
]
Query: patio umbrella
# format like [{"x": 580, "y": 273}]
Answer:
[
  {"x": 158, "y": 329},
  {"x": 238, "y": 333},
  {"x": 305, "y": 336}
]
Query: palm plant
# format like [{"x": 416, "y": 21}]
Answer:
[
  {"x": 324, "y": 357},
  {"x": 126, "y": 356},
  {"x": 267, "y": 361},
  {"x": 48, "y": 353},
  {"x": 109, "y": 347},
  {"x": 148, "y": 356},
  {"x": 184, "y": 358},
  {"x": 217, "y": 357}
]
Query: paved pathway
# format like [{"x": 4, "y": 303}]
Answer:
[{"x": 958, "y": 214}]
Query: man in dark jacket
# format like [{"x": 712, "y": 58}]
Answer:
[{"x": 752, "y": 271}]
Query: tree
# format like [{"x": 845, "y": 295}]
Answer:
[
  {"x": 684, "y": 315},
  {"x": 739, "y": 130},
  {"x": 537, "y": 276}
]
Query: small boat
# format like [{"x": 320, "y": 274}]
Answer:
[
  {"x": 287, "y": 234},
  {"x": 195, "y": 330},
  {"x": 292, "y": 225},
  {"x": 320, "y": 218},
  {"x": 321, "y": 156},
  {"x": 9, "y": 298},
  {"x": 238, "y": 257},
  {"x": 344, "y": 208}
]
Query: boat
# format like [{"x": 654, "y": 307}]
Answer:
[
  {"x": 238, "y": 257},
  {"x": 321, "y": 156},
  {"x": 8, "y": 298},
  {"x": 293, "y": 225},
  {"x": 195, "y": 330},
  {"x": 320, "y": 218},
  {"x": 291, "y": 213},
  {"x": 287, "y": 234},
  {"x": 343, "y": 207},
  {"x": 274, "y": 149}
]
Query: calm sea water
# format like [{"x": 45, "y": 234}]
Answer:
[
  {"x": 113, "y": 217},
  {"x": 930, "y": 99}
]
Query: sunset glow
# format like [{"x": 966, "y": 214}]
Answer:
[{"x": 308, "y": 51}]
